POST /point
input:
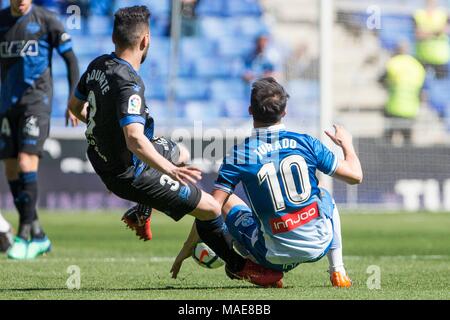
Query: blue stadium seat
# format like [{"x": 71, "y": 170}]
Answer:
[
  {"x": 196, "y": 47},
  {"x": 192, "y": 89},
  {"x": 223, "y": 90},
  {"x": 213, "y": 68},
  {"x": 395, "y": 29},
  {"x": 215, "y": 28},
  {"x": 211, "y": 8},
  {"x": 243, "y": 8},
  {"x": 200, "y": 110},
  {"x": 236, "y": 46},
  {"x": 156, "y": 88},
  {"x": 439, "y": 96},
  {"x": 160, "y": 25},
  {"x": 237, "y": 108},
  {"x": 249, "y": 27},
  {"x": 100, "y": 25}
]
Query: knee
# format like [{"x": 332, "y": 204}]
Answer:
[
  {"x": 27, "y": 162},
  {"x": 208, "y": 208}
]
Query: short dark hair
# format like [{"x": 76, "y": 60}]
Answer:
[
  {"x": 269, "y": 100},
  {"x": 129, "y": 23}
]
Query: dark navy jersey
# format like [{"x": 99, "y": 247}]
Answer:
[
  {"x": 115, "y": 93},
  {"x": 26, "y": 46}
]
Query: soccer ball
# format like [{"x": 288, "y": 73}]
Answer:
[{"x": 204, "y": 256}]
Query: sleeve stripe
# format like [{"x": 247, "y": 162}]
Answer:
[
  {"x": 79, "y": 95},
  {"x": 224, "y": 188},
  {"x": 131, "y": 119},
  {"x": 334, "y": 167},
  {"x": 64, "y": 47}
]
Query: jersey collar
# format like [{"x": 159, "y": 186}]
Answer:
[
  {"x": 275, "y": 128},
  {"x": 121, "y": 61}
]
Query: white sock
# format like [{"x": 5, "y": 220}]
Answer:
[
  {"x": 4, "y": 225},
  {"x": 334, "y": 255},
  {"x": 336, "y": 261}
]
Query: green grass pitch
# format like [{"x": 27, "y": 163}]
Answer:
[{"x": 411, "y": 250}]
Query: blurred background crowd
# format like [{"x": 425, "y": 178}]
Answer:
[{"x": 390, "y": 60}]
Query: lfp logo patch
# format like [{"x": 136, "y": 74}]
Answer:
[{"x": 134, "y": 104}]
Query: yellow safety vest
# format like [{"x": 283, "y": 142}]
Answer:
[
  {"x": 405, "y": 76},
  {"x": 436, "y": 50}
]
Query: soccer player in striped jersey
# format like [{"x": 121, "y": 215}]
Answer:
[{"x": 291, "y": 220}]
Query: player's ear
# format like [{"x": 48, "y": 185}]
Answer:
[{"x": 250, "y": 112}]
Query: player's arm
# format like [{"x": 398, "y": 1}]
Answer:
[
  {"x": 349, "y": 169},
  {"x": 141, "y": 146},
  {"x": 60, "y": 40}
]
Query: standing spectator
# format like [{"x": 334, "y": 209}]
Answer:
[
  {"x": 263, "y": 62},
  {"x": 432, "y": 40},
  {"x": 404, "y": 78},
  {"x": 188, "y": 18}
]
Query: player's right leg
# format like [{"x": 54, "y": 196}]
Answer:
[{"x": 214, "y": 232}]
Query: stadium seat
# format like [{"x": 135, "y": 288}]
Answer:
[
  {"x": 439, "y": 96},
  {"x": 196, "y": 47},
  {"x": 191, "y": 89},
  {"x": 156, "y": 88},
  {"x": 211, "y": 8},
  {"x": 200, "y": 110},
  {"x": 243, "y": 8},
  {"x": 237, "y": 109},
  {"x": 395, "y": 29},
  {"x": 223, "y": 90},
  {"x": 249, "y": 27},
  {"x": 212, "y": 68},
  {"x": 100, "y": 25},
  {"x": 215, "y": 28},
  {"x": 235, "y": 46}
]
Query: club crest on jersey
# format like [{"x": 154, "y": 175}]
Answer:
[
  {"x": 33, "y": 27},
  {"x": 31, "y": 127},
  {"x": 134, "y": 104}
]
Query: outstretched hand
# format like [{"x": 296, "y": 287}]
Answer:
[
  {"x": 341, "y": 137},
  {"x": 184, "y": 254}
]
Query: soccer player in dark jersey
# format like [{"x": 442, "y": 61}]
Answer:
[
  {"x": 131, "y": 162},
  {"x": 28, "y": 35}
]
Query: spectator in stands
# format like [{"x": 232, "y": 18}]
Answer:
[
  {"x": 433, "y": 48},
  {"x": 404, "y": 78},
  {"x": 263, "y": 62},
  {"x": 188, "y": 18}
]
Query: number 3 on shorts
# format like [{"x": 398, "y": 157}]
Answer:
[{"x": 165, "y": 179}]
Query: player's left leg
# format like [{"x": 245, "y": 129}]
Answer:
[
  {"x": 138, "y": 218},
  {"x": 33, "y": 130},
  {"x": 338, "y": 275}
]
